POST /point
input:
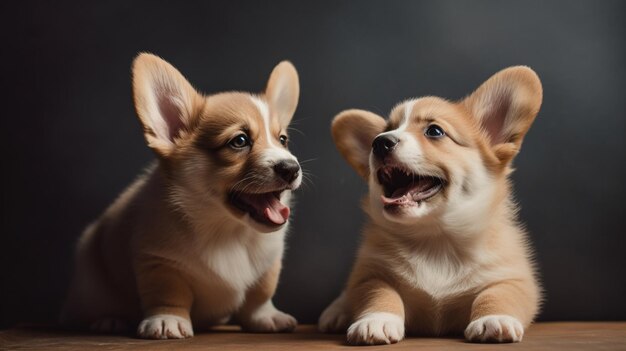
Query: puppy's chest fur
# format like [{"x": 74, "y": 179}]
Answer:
[
  {"x": 436, "y": 269},
  {"x": 438, "y": 276},
  {"x": 240, "y": 261},
  {"x": 232, "y": 256}
]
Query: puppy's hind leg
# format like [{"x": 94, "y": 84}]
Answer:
[
  {"x": 91, "y": 303},
  {"x": 335, "y": 317}
]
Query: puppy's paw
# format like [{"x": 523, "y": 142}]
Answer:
[
  {"x": 334, "y": 319},
  {"x": 110, "y": 325},
  {"x": 165, "y": 326},
  {"x": 268, "y": 319},
  {"x": 376, "y": 328},
  {"x": 495, "y": 328}
]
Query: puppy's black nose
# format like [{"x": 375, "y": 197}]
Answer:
[
  {"x": 287, "y": 170},
  {"x": 384, "y": 144}
]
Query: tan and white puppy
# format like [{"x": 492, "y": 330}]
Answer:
[
  {"x": 199, "y": 237},
  {"x": 442, "y": 251}
]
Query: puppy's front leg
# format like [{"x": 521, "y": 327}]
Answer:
[
  {"x": 500, "y": 312},
  {"x": 166, "y": 299},
  {"x": 258, "y": 313},
  {"x": 379, "y": 313}
]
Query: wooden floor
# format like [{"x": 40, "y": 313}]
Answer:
[{"x": 542, "y": 336}]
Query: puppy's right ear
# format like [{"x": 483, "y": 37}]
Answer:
[
  {"x": 164, "y": 100},
  {"x": 353, "y": 132}
]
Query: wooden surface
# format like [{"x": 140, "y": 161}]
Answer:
[{"x": 542, "y": 336}]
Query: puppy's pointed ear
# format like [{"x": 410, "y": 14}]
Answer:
[
  {"x": 505, "y": 106},
  {"x": 282, "y": 91},
  {"x": 165, "y": 102},
  {"x": 353, "y": 132}
]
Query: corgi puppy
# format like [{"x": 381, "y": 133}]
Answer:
[
  {"x": 199, "y": 237},
  {"x": 442, "y": 251}
]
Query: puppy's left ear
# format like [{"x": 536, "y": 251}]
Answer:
[
  {"x": 282, "y": 91},
  {"x": 505, "y": 106}
]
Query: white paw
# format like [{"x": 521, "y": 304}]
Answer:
[
  {"x": 376, "y": 328},
  {"x": 495, "y": 328},
  {"x": 267, "y": 319},
  {"x": 334, "y": 319},
  {"x": 109, "y": 325},
  {"x": 165, "y": 326}
]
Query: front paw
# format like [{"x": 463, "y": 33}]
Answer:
[
  {"x": 495, "y": 328},
  {"x": 165, "y": 326},
  {"x": 268, "y": 319},
  {"x": 376, "y": 328}
]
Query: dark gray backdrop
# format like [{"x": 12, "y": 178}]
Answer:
[{"x": 71, "y": 141}]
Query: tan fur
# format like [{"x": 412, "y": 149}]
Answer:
[
  {"x": 461, "y": 257},
  {"x": 172, "y": 250}
]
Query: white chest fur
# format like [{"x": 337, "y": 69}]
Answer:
[
  {"x": 242, "y": 259},
  {"x": 438, "y": 270},
  {"x": 437, "y": 275}
]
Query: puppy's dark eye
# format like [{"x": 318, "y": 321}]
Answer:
[
  {"x": 434, "y": 131},
  {"x": 240, "y": 141},
  {"x": 283, "y": 140}
]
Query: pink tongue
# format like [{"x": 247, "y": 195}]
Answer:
[
  {"x": 268, "y": 206},
  {"x": 276, "y": 211}
]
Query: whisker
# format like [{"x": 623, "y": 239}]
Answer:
[
  {"x": 308, "y": 160},
  {"x": 300, "y": 119},
  {"x": 247, "y": 177},
  {"x": 239, "y": 183},
  {"x": 308, "y": 173},
  {"x": 296, "y": 130}
]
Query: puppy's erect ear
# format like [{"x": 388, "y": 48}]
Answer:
[
  {"x": 353, "y": 132},
  {"x": 506, "y": 105},
  {"x": 165, "y": 102},
  {"x": 282, "y": 91}
]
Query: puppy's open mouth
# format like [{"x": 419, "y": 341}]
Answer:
[
  {"x": 401, "y": 187},
  {"x": 264, "y": 208}
]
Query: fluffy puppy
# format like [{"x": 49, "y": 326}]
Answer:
[
  {"x": 199, "y": 237},
  {"x": 442, "y": 251}
]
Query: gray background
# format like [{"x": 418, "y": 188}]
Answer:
[{"x": 71, "y": 142}]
